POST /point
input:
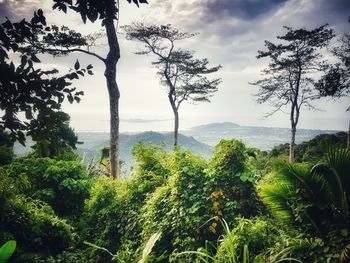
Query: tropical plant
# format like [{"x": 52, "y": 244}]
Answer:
[
  {"x": 226, "y": 243},
  {"x": 314, "y": 201},
  {"x": 230, "y": 181},
  {"x": 145, "y": 253},
  {"x": 113, "y": 211},
  {"x": 53, "y": 135}
]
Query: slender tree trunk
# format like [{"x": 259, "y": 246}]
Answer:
[
  {"x": 294, "y": 114},
  {"x": 176, "y": 118},
  {"x": 348, "y": 142},
  {"x": 114, "y": 95},
  {"x": 292, "y": 144},
  {"x": 176, "y": 127},
  {"x": 173, "y": 106}
]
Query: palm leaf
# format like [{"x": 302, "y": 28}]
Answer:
[
  {"x": 345, "y": 253},
  {"x": 277, "y": 198}
]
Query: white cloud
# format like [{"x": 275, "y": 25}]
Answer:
[{"x": 228, "y": 40}]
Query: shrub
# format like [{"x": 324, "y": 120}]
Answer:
[
  {"x": 231, "y": 182},
  {"x": 62, "y": 184},
  {"x": 179, "y": 208},
  {"x": 258, "y": 234},
  {"x": 32, "y": 223},
  {"x": 113, "y": 212}
]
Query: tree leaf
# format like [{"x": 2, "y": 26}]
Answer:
[
  {"x": 6, "y": 250},
  {"x": 35, "y": 58},
  {"x": 76, "y": 65}
]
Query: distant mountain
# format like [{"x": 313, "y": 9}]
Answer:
[
  {"x": 199, "y": 139},
  {"x": 214, "y": 127},
  {"x": 94, "y": 142},
  {"x": 263, "y": 138}
]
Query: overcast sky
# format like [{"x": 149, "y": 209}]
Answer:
[{"x": 230, "y": 33}]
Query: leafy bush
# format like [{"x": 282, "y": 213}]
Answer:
[
  {"x": 257, "y": 233},
  {"x": 32, "y": 223},
  {"x": 197, "y": 191},
  {"x": 112, "y": 217},
  {"x": 179, "y": 208},
  {"x": 62, "y": 184},
  {"x": 231, "y": 182}
]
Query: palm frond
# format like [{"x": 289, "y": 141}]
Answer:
[
  {"x": 277, "y": 198},
  {"x": 345, "y": 253}
]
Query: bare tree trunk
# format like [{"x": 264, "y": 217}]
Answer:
[
  {"x": 176, "y": 118},
  {"x": 348, "y": 142},
  {"x": 114, "y": 95},
  {"x": 292, "y": 144},
  {"x": 176, "y": 127}
]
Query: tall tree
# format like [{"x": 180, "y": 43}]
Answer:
[
  {"x": 64, "y": 41},
  {"x": 291, "y": 74},
  {"x": 24, "y": 88},
  {"x": 336, "y": 82},
  {"x": 179, "y": 71}
]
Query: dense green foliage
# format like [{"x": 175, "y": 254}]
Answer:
[
  {"x": 314, "y": 201},
  {"x": 6, "y": 148},
  {"x": 26, "y": 89},
  {"x": 172, "y": 193},
  {"x": 311, "y": 151},
  {"x": 53, "y": 135},
  {"x": 51, "y": 205},
  {"x": 31, "y": 222},
  {"x": 61, "y": 184}
]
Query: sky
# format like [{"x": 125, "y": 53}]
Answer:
[{"x": 230, "y": 32}]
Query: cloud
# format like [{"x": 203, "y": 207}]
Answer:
[
  {"x": 18, "y": 9},
  {"x": 133, "y": 120},
  {"x": 144, "y": 120},
  {"x": 243, "y": 9}
]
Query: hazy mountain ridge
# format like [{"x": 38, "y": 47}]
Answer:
[
  {"x": 94, "y": 142},
  {"x": 263, "y": 138},
  {"x": 199, "y": 139}
]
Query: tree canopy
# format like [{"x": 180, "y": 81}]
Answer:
[
  {"x": 25, "y": 88},
  {"x": 290, "y": 76},
  {"x": 64, "y": 41},
  {"x": 178, "y": 69}
]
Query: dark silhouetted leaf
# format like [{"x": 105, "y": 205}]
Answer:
[{"x": 76, "y": 65}]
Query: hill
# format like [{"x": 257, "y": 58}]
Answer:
[
  {"x": 313, "y": 150},
  {"x": 214, "y": 127},
  {"x": 263, "y": 138},
  {"x": 94, "y": 142}
]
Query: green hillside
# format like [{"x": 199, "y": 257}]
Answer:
[{"x": 94, "y": 142}]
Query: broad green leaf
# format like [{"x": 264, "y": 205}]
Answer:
[{"x": 6, "y": 250}]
